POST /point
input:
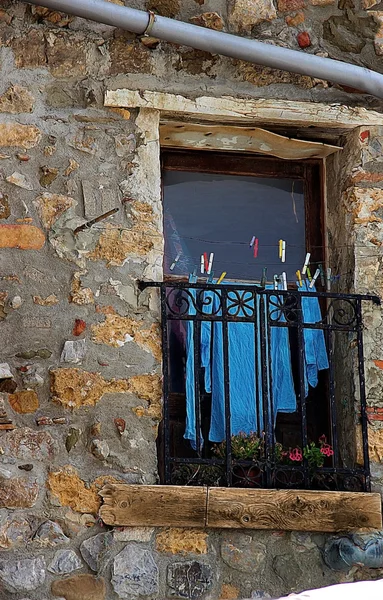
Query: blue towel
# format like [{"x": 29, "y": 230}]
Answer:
[
  {"x": 245, "y": 391},
  {"x": 245, "y": 388},
  {"x": 314, "y": 342}
]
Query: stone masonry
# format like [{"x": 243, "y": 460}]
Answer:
[{"x": 80, "y": 363}]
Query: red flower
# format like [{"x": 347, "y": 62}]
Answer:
[
  {"x": 295, "y": 455},
  {"x": 322, "y": 439},
  {"x": 327, "y": 450}
]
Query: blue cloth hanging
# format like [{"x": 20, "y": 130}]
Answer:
[
  {"x": 246, "y": 406},
  {"x": 315, "y": 346}
]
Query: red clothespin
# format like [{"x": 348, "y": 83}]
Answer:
[
  {"x": 206, "y": 261},
  {"x": 256, "y": 243}
]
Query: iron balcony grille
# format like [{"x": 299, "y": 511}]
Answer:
[{"x": 341, "y": 407}]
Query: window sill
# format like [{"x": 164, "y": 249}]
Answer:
[{"x": 289, "y": 510}]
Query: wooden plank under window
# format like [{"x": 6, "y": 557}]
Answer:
[{"x": 289, "y": 510}]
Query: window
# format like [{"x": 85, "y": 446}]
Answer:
[{"x": 236, "y": 356}]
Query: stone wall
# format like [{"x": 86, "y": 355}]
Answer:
[{"x": 80, "y": 372}]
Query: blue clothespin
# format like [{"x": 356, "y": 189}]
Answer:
[
  {"x": 210, "y": 278},
  {"x": 321, "y": 273}
]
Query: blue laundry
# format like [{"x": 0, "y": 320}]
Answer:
[{"x": 315, "y": 346}]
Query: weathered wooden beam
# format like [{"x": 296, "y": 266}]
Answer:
[
  {"x": 227, "y": 108},
  {"x": 240, "y": 139},
  {"x": 293, "y": 510},
  {"x": 179, "y": 506}
]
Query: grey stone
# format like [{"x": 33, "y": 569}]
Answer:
[
  {"x": 259, "y": 594},
  {"x": 94, "y": 550},
  {"x": 189, "y": 579},
  {"x": 287, "y": 568},
  {"x": 134, "y": 572},
  {"x": 5, "y": 371},
  {"x": 100, "y": 449},
  {"x": 31, "y": 377},
  {"x": 50, "y": 534},
  {"x": 22, "y": 575},
  {"x": 74, "y": 351},
  {"x": 65, "y": 561},
  {"x": 241, "y": 552},
  {"x": 366, "y": 550},
  {"x": 14, "y": 529}
]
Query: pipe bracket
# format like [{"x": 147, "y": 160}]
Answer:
[{"x": 152, "y": 19}]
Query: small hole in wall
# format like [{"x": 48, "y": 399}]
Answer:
[
  {"x": 167, "y": 138},
  {"x": 207, "y": 134},
  {"x": 180, "y": 126}
]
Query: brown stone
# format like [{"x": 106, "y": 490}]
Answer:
[
  {"x": 24, "y": 402},
  {"x": 19, "y": 136},
  {"x": 166, "y": 8},
  {"x": 48, "y": 175},
  {"x": 74, "y": 388},
  {"x": 294, "y": 21},
  {"x": 51, "y": 206},
  {"x": 79, "y": 327},
  {"x": 287, "y": 5},
  {"x": 5, "y": 210},
  {"x": 28, "y": 445},
  {"x": 80, "y": 295},
  {"x": 149, "y": 388},
  {"x": 115, "y": 246},
  {"x": 378, "y": 41},
  {"x": 127, "y": 56},
  {"x": 73, "y": 166},
  {"x": 18, "y": 493},
  {"x": 31, "y": 55},
  {"x": 303, "y": 39},
  {"x": 16, "y": 100},
  {"x": 67, "y": 486},
  {"x": 244, "y": 14},
  {"x": 262, "y": 76},
  {"x": 116, "y": 330},
  {"x": 195, "y": 62},
  {"x": 182, "y": 541},
  {"x": 229, "y": 592},
  {"x": 23, "y": 237},
  {"x": 66, "y": 55},
  {"x": 80, "y": 587},
  {"x": 211, "y": 20},
  {"x": 52, "y": 16},
  {"x": 50, "y": 300}
]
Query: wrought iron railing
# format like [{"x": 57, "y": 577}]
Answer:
[{"x": 338, "y": 403}]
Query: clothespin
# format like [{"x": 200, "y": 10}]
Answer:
[
  {"x": 306, "y": 263},
  {"x": 195, "y": 273},
  {"x": 202, "y": 264},
  {"x": 276, "y": 281},
  {"x": 256, "y": 248},
  {"x": 210, "y": 278},
  {"x": 299, "y": 277},
  {"x": 211, "y": 258},
  {"x": 206, "y": 262},
  {"x": 192, "y": 277},
  {"x": 316, "y": 275},
  {"x": 252, "y": 241},
  {"x": 308, "y": 272},
  {"x": 264, "y": 274},
  {"x": 321, "y": 275},
  {"x": 175, "y": 261},
  {"x": 283, "y": 251},
  {"x": 328, "y": 280},
  {"x": 280, "y": 248},
  {"x": 284, "y": 280},
  {"x": 221, "y": 278}
]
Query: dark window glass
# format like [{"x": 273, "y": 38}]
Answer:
[{"x": 206, "y": 212}]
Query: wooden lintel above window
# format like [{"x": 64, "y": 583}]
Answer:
[{"x": 289, "y": 510}]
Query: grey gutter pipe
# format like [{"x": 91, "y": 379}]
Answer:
[{"x": 217, "y": 42}]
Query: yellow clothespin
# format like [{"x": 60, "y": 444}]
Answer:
[
  {"x": 223, "y": 275},
  {"x": 280, "y": 248},
  {"x": 308, "y": 274},
  {"x": 299, "y": 277}
]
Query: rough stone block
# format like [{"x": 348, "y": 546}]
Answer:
[
  {"x": 31, "y": 55},
  {"x": 18, "y": 135},
  {"x": 24, "y": 402},
  {"x": 241, "y": 552},
  {"x": 22, "y": 575},
  {"x": 244, "y": 14},
  {"x": 64, "y": 562},
  {"x": 134, "y": 572},
  {"x": 66, "y": 55},
  {"x": 80, "y": 587},
  {"x": 166, "y": 8},
  {"x": 18, "y": 493},
  {"x": 73, "y": 351},
  {"x": 95, "y": 549},
  {"x": 15, "y": 530},
  {"x": 50, "y": 534},
  {"x": 16, "y": 99},
  {"x": 288, "y": 5},
  {"x": 189, "y": 579},
  {"x": 128, "y": 57},
  {"x": 182, "y": 541},
  {"x": 28, "y": 445}
]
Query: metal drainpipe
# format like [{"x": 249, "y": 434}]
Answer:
[{"x": 217, "y": 42}]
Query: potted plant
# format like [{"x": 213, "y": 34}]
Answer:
[{"x": 245, "y": 448}]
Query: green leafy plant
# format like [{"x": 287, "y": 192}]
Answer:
[{"x": 244, "y": 446}]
